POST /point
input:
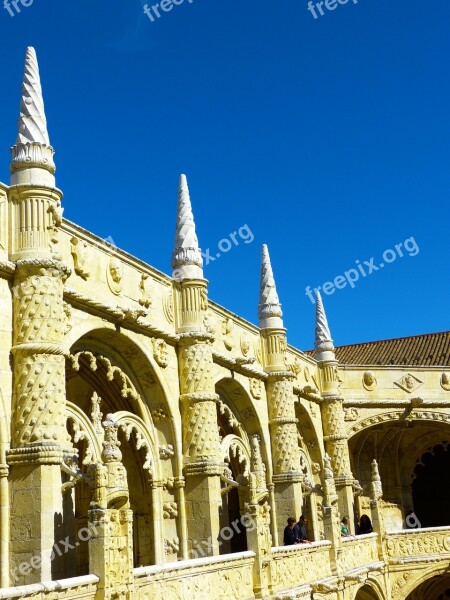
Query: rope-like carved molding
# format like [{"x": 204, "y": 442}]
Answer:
[
  {"x": 7, "y": 268},
  {"x": 135, "y": 428},
  {"x": 113, "y": 373},
  {"x": 239, "y": 367},
  {"x": 416, "y": 415},
  {"x": 125, "y": 317}
]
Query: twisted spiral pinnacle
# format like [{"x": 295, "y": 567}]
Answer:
[
  {"x": 32, "y": 121},
  {"x": 269, "y": 303},
  {"x": 186, "y": 250},
  {"x": 322, "y": 329}
]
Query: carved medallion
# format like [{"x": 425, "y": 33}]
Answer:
[
  {"x": 409, "y": 383},
  {"x": 114, "y": 275},
  {"x": 445, "y": 382},
  {"x": 256, "y": 388},
  {"x": 369, "y": 381},
  {"x": 160, "y": 352},
  {"x": 168, "y": 306}
]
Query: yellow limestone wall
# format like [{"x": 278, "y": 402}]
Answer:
[{"x": 132, "y": 407}]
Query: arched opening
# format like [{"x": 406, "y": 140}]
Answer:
[
  {"x": 366, "y": 593},
  {"x": 101, "y": 380},
  {"x": 435, "y": 588},
  {"x": 310, "y": 467},
  {"x": 398, "y": 443},
  {"x": 431, "y": 483},
  {"x": 238, "y": 423}
]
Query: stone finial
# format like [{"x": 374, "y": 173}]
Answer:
[
  {"x": 324, "y": 349},
  {"x": 187, "y": 262},
  {"x": 32, "y": 149},
  {"x": 376, "y": 486},
  {"x": 269, "y": 309}
]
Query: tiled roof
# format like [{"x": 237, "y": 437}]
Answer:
[{"x": 431, "y": 349}]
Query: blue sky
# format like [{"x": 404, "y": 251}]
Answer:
[{"x": 327, "y": 137}]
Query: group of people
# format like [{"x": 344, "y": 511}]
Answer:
[
  {"x": 296, "y": 533},
  {"x": 364, "y": 526}
]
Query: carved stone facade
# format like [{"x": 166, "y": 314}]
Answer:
[{"x": 153, "y": 444}]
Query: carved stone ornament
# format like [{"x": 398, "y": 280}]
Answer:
[
  {"x": 227, "y": 332},
  {"x": 168, "y": 306},
  {"x": 209, "y": 322},
  {"x": 369, "y": 381},
  {"x": 256, "y": 388},
  {"x": 114, "y": 275},
  {"x": 351, "y": 414},
  {"x": 145, "y": 287},
  {"x": 409, "y": 383},
  {"x": 80, "y": 253},
  {"x": 445, "y": 382},
  {"x": 160, "y": 352},
  {"x": 245, "y": 344}
]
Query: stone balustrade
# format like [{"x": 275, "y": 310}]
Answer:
[
  {"x": 200, "y": 579},
  {"x": 65, "y": 589},
  {"x": 293, "y": 566},
  {"x": 358, "y": 551},
  {"x": 411, "y": 545}
]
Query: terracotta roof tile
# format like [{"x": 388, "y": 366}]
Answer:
[{"x": 431, "y": 349}]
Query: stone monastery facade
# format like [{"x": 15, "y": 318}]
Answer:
[{"x": 153, "y": 444}]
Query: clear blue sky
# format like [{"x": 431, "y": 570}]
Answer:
[{"x": 328, "y": 137}]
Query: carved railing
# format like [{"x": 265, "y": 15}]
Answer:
[
  {"x": 411, "y": 545},
  {"x": 228, "y": 577},
  {"x": 359, "y": 551},
  {"x": 295, "y": 565},
  {"x": 84, "y": 587}
]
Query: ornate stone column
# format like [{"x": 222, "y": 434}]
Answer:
[
  {"x": 283, "y": 422},
  {"x": 201, "y": 444},
  {"x": 333, "y": 423},
  {"x": 39, "y": 434},
  {"x": 331, "y": 520},
  {"x": 111, "y": 522},
  {"x": 376, "y": 507}
]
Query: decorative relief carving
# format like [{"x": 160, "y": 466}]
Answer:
[
  {"x": 209, "y": 322},
  {"x": 369, "y": 381},
  {"x": 255, "y": 388},
  {"x": 351, "y": 414},
  {"x": 445, "y": 382},
  {"x": 146, "y": 290},
  {"x": 170, "y": 510},
  {"x": 159, "y": 414},
  {"x": 96, "y": 414},
  {"x": 409, "y": 383},
  {"x": 228, "y": 333},
  {"x": 248, "y": 414},
  {"x": 68, "y": 317},
  {"x": 296, "y": 366},
  {"x": 166, "y": 452},
  {"x": 258, "y": 351},
  {"x": 171, "y": 546},
  {"x": 245, "y": 344},
  {"x": 81, "y": 258},
  {"x": 114, "y": 275},
  {"x": 168, "y": 306},
  {"x": 196, "y": 371},
  {"x": 160, "y": 352}
]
